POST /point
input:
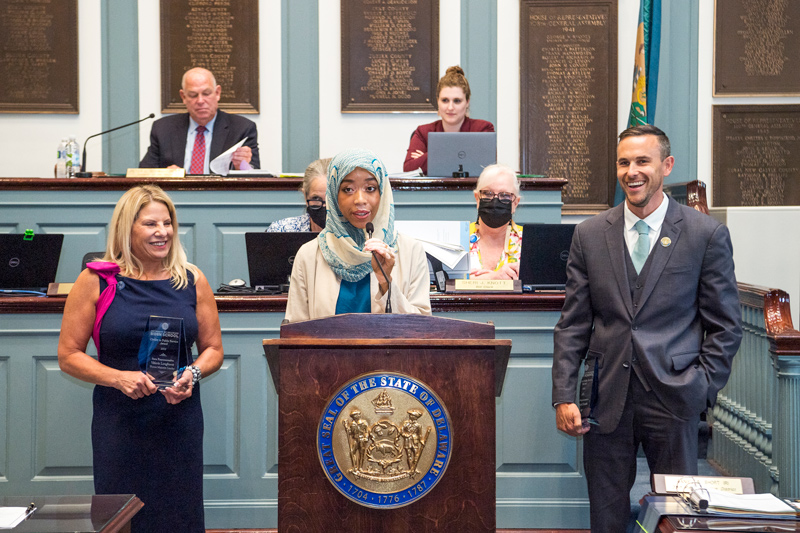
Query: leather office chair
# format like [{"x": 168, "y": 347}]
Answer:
[{"x": 91, "y": 256}]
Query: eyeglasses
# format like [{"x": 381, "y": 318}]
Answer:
[
  {"x": 315, "y": 202},
  {"x": 505, "y": 197}
]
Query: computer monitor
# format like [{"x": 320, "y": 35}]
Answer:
[
  {"x": 270, "y": 257},
  {"x": 473, "y": 151},
  {"x": 543, "y": 259},
  {"x": 29, "y": 262}
]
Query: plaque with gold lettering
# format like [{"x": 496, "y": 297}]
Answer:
[
  {"x": 568, "y": 93},
  {"x": 390, "y": 55},
  {"x": 756, "y": 46},
  {"x": 219, "y": 35},
  {"x": 39, "y": 56},
  {"x": 756, "y": 155}
]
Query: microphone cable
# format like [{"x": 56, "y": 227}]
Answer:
[{"x": 370, "y": 230}]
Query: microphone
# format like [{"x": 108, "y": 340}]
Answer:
[
  {"x": 83, "y": 173},
  {"x": 370, "y": 230}
]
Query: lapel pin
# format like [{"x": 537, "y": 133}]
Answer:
[{"x": 666, "y": 241}]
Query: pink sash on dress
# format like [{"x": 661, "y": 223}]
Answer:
[{"x": 108, "y": 271}]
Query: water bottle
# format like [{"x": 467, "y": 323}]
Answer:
[
  {"x": 73, "y": 157},
  {"x": 61, "y": 163}
]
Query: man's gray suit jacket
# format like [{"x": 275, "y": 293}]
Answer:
[
  {"x": 168, "y": 139},
  {"x": 684, "y": 332}
]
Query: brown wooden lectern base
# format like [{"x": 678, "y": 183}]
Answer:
[{"x": 459, "y": 360}]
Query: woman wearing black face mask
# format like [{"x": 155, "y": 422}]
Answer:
[
  {"x": 314, "y": 186},
  {"x": 495, "y": 241}
]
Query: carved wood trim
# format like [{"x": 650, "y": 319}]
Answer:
[
  {"x": 783, "y": 338},
  {"x": 251, "y": 303},
  {"x": 249, "y": 184}
]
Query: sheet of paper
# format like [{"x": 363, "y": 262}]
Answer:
[
  {"x": 222, "y": 164},
  {"x": 410, "y": 174},
  {"x": 11, "y": 516},
  {"x": 447, "y": 241}
]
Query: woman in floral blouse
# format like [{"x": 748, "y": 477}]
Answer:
[{"x": 495, "y": 241}]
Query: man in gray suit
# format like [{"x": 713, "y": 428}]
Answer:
[
  {"x": 192, "y": 140},
  {"x": 652, "y": 312}
]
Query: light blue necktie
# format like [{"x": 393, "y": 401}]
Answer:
[{"x": 642, "y": 248}]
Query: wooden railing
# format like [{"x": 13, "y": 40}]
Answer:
[
  {"x": 691, "y": 193},
  {"x": 756, "y": 419}
]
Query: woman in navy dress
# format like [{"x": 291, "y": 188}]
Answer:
[{"x": 145, "y": 441}]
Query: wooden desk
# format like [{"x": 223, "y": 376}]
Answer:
[
  {"x": 49, "y": 413},
  {"x": 107, "y": 513}
]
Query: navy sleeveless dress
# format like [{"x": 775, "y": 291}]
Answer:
[{"x": 148, "y": 447}]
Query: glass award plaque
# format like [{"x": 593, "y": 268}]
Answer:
[{"x": 163, "y": 349}]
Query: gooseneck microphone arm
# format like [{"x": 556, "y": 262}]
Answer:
[
  {"x": 370, "y": 230},
  {"x": 83, "y": 161}
]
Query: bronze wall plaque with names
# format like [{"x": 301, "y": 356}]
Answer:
[
  {"x": 756, "y": 155},
  {"x": 220, "y": 35},
  {"x": 756, "y": 47},
  {"x": 390, "y": 55},
  {"x": 39, "y": 56},
  {"x": 568, "y": 92}
]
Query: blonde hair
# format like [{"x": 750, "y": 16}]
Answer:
[
  {"x": 492, "y": 172},
  {"x": 453, "y": 77},
  {"x": 118, "y": 246},
  {"x": 317, "y": 169}
]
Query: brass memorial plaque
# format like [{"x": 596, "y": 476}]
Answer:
[
  {"x": 756, "y": 155},
  {"x": 756, "y": 47},
  {"x": 220, "y": 35},
  {"x": 39, "y": 56},
  {"x": 568, "y": 92},
  {"x": 390, "y": 55}
]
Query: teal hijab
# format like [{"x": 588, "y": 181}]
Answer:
[{"x": 341, "y": 243}]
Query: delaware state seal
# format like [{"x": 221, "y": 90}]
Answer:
[{"x": 384, "y": 440}]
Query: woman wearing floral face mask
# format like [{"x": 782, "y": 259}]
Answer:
[
  {"x": 495, "y": 241},
  {"x": 314, "y": 186}
]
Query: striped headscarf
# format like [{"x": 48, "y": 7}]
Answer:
[{"x": 341, "y": 243}]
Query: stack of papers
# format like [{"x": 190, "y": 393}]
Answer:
[{"x": 749, "y": 505}]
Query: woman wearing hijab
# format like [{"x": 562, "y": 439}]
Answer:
[{"x": 338, "y": 272}]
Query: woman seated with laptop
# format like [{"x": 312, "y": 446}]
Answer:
[
  {"x": 495, "y": 242},
  {"x": 313, "y": 190},
  {"x": 347, "y": 270},
  {"x": 452, "y": 103}
]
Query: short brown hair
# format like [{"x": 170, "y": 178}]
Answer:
[
  {"x": 454, "y": 77},
  {"x": 649, "y": 129}
]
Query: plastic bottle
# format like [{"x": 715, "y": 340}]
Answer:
[
  {"x": 61, "y": 162},
  {"x": 73, "y": 157}
]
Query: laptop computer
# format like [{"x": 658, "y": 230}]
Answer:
[
  {"x": 270, "y": 257},
  {"x": 28, "y": 265},
  {"x": 474, "y": 151},
  {"x": 543, "y": 259}
]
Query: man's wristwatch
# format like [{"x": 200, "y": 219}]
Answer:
[{"x": 197, "y": 375}]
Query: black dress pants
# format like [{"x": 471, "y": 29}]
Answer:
[{"x": 669, "y": 443}]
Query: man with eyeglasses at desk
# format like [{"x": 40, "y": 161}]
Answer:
[{"x": 495, "y": 241}]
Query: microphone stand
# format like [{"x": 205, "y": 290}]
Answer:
[
  {"x": 83, "y": 173},
  {"x": 370, "y": 230}
]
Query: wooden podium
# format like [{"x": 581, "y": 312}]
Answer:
[{"x": 458, "y": 360}]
